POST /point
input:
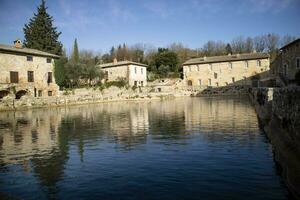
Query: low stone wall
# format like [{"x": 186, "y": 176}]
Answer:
[
  {"x": 279, "y": 112},
  {"x": 83, "y": 96},
  {"x": 224, "y": 91}
]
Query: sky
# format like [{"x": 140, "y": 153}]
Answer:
[{"x": 100, "y": 24}]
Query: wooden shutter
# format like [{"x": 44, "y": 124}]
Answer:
[{"x": 14, "y": 77}]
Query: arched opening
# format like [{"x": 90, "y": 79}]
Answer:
[
  {"x": 20, "y": 93},
  {"x": 190, "y": 83},
  {"x": 3, "y": 93}
]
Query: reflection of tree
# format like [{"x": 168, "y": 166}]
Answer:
[
  {"x": 167, "y": 119},
  {"x": 50, "y": 169}
]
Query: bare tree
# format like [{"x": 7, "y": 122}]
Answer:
[
  {"x": 259, "y": 43},
  {"x": 272, "y": 42},
  {"x": 287, "y": 39}
]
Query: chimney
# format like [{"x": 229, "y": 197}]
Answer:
[
  {"x": 17, "y": 43},
  {"x": 229, "y": 54},
  {"x": 115, "y": 61}
]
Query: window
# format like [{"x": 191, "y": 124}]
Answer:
[
  {"x": 233, "y": 79},
  {"x": 29, "y": 58},
  {"x": 30, "y": 76},
  {"x": 49, "y": 60},
  {"x": 49, "y": 93},
  {"x": 198, "y": 68},
  {"x": 14, "y": 77},
  {"x": 226, "y": 83},
  {"x": 141, "y": 70},
  {"x": 135, "y": 83},
  {"x": 190, "y": 68},
  {"x": 209, "y": 82},
  {"x": 135, "y": 70},
  {"x": 210, "y": 67},
  {"x": 246, "y": 64},
  {"x": 215, "y": 75},
  {"x": 285, "y": 69},
  {"x": 230, "y": 65},
  {"x": 199, "y": 82},
  {"x": 142, "y": 83},
  {"x": 298, "y": 63},
  {"x": 217, "y": 84},
  {"x": 40, "y": 93},
  {"x": 49, "y": 77},
  {"x": 258, "y": 63}
]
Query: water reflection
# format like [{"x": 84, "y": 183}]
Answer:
[{"x": 45, "y": 146}]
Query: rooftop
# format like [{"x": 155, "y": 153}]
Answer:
[
  {"x": 289, "y": 44},
  {"x": 121, "y": 63},
  {"x": 27, "y": 51},
  {"x": 227, "y": 58}
]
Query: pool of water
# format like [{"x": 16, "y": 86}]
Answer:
[{"x": 189, "y": 148}]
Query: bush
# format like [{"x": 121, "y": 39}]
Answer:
[
  {"x": 297, "y": 78},
  {"x": 134, "y": 88},
  {"x": 118, "y": 84}
]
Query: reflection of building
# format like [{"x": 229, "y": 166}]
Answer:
[
  {"x": 128, "y": 122},
  {"x": 26, "y": 71},
  {"x": 219, "y": 115},
  {"x": 28, "y": 133},
  {"x": 224, "y": 70},
  {"x": 134, "y": 73},
  {"x": 287, "y": 63}
]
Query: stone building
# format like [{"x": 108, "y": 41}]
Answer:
[
  {"x": 215, "y": 71},
  {"x": 26, "y": 71},
  {"x": 134, "y": 73},
  {"x": 286, "y": 64}
]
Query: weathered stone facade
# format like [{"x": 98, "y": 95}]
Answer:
[
  {"x": 287, "y": 63},
  {"x": 240, "y": 69},
  {"x": 278, "y": 110},
  {"x": 26, "y": 72},
  {"x": 134, "y": 73}
]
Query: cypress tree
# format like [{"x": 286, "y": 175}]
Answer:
[
  {"x": 41, "y": 34},
  {"x": 75, "y": 53},
  {"x": 59, "y": 70}
]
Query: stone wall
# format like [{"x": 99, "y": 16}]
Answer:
[
  {"x": 19, "y": 63},
  {"x": 87, "y": 95},
  {"x": 279, "y": 112},
  {"x": 221, "y": 74}
]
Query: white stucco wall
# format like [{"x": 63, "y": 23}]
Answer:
[{"x": 138, "y": 74}]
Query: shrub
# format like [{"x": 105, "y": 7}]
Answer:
[
  {"x": 297, "y": 78},
  {"x": 134, "y": 88}
]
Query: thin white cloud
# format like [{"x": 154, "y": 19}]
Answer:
[{"x": 273, "y": 6}]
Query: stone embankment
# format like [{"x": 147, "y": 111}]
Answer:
[
  {"x": 84, "y": 95},
  {"x": 279, "y": 112},
  {"x": 232, "y": 90}
]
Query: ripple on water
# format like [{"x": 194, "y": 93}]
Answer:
[{"x": 193, "y": 148}]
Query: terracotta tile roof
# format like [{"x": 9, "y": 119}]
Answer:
[
  {"x": 227, "y": 58},
  {"x": 27, "y": 51},
  {"x": 121, "y": 63}
]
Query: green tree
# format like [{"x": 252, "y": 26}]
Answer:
[
  {"x": 164, "y": 57},
  {"x": 40, "y": 33},
  {"x": 75, "y": 53},
  {"x": 163, "y": 70},
  {"x": 59, "y": 70}
]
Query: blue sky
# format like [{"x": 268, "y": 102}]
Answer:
[{"x": 100, "y": 24}]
